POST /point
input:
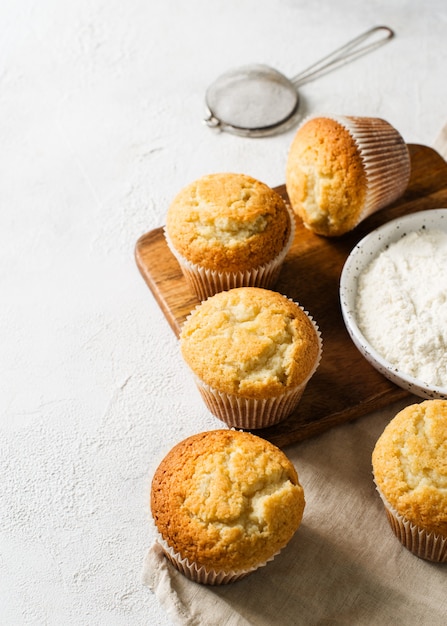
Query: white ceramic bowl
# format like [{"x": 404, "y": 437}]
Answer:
[{"x": 360, "y": 257}]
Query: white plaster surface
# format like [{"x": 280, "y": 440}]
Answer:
[{"x": 101, "y": 105}]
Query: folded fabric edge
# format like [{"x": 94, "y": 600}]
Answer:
[
  {"x": 186, "y": 603},
  {"x": 157, "y": 576}
]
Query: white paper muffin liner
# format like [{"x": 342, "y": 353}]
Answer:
[
  {"x": 206, "y": 282},
  {"x": 426, "y": 545},
  {"x": 253, "y": 413},
  {"x": 202, "y": 575},
  {"x": 386, "y": 158}
]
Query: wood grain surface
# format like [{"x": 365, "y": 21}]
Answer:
[{"x": 345, "y": 386}]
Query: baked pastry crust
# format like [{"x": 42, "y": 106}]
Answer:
[
  {"x": 250, "y": 341},
  {"x": 226, "y": 500},
  {"x": 228, "y": 222},
  {"x": 410, "y": 464},
  {"x": 325, "y": 177}
]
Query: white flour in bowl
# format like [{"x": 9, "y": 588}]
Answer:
[{"x": 402, "y": 305}]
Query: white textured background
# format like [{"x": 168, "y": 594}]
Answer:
[{"x": 101, "y": 105}]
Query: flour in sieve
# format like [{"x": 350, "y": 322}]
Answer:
[{"x": 402, "y": 305}]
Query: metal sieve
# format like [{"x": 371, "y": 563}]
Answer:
[{"x": 257, "y": 100}]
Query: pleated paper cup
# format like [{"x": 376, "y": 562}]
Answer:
[
  {"x": 199, "y": 573},
  {"x": 385, "y": 157},
  {"x": 206, "y": 282},
  {"x": 426, "y": 545}
]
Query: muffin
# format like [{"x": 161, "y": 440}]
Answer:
[
  {"x": 341, "y": 169},
  {"x": 229, "y": 230},
  {"x": 410, "y": 471},
  {"x": 225, "y": 503},
  {"x": 252, "y": 352}
]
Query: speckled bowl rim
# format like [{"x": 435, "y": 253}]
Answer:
[{"x": 361, "y": 255}]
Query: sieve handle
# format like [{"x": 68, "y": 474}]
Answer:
[{"x": 350, "y": 51}]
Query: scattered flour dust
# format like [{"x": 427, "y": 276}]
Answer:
[{"x": 402, "y": 305}]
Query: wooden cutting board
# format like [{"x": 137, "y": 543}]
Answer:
[{"x": 345, "y": 386}]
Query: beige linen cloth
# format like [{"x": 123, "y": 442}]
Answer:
[{"x": 343, "y": 566}]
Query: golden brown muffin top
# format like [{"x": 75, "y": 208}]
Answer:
[
  {"x": 325, "y": 177},
  {"x": 410, "y": 464},
  {"x": 226, "y": 499},
  {"x": 250, "y": 341},
  {"x": 228, "y": 222}
]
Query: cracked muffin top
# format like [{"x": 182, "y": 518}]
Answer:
[
  {"x": 229, "y": 222},
  {"x": 251, "y": 342},
  {"x": 226, "y": 500},
  {"x": 410, "y": 464},
  {"x": 325, "y": 177},
  {"x": 340, "y": 169}
]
